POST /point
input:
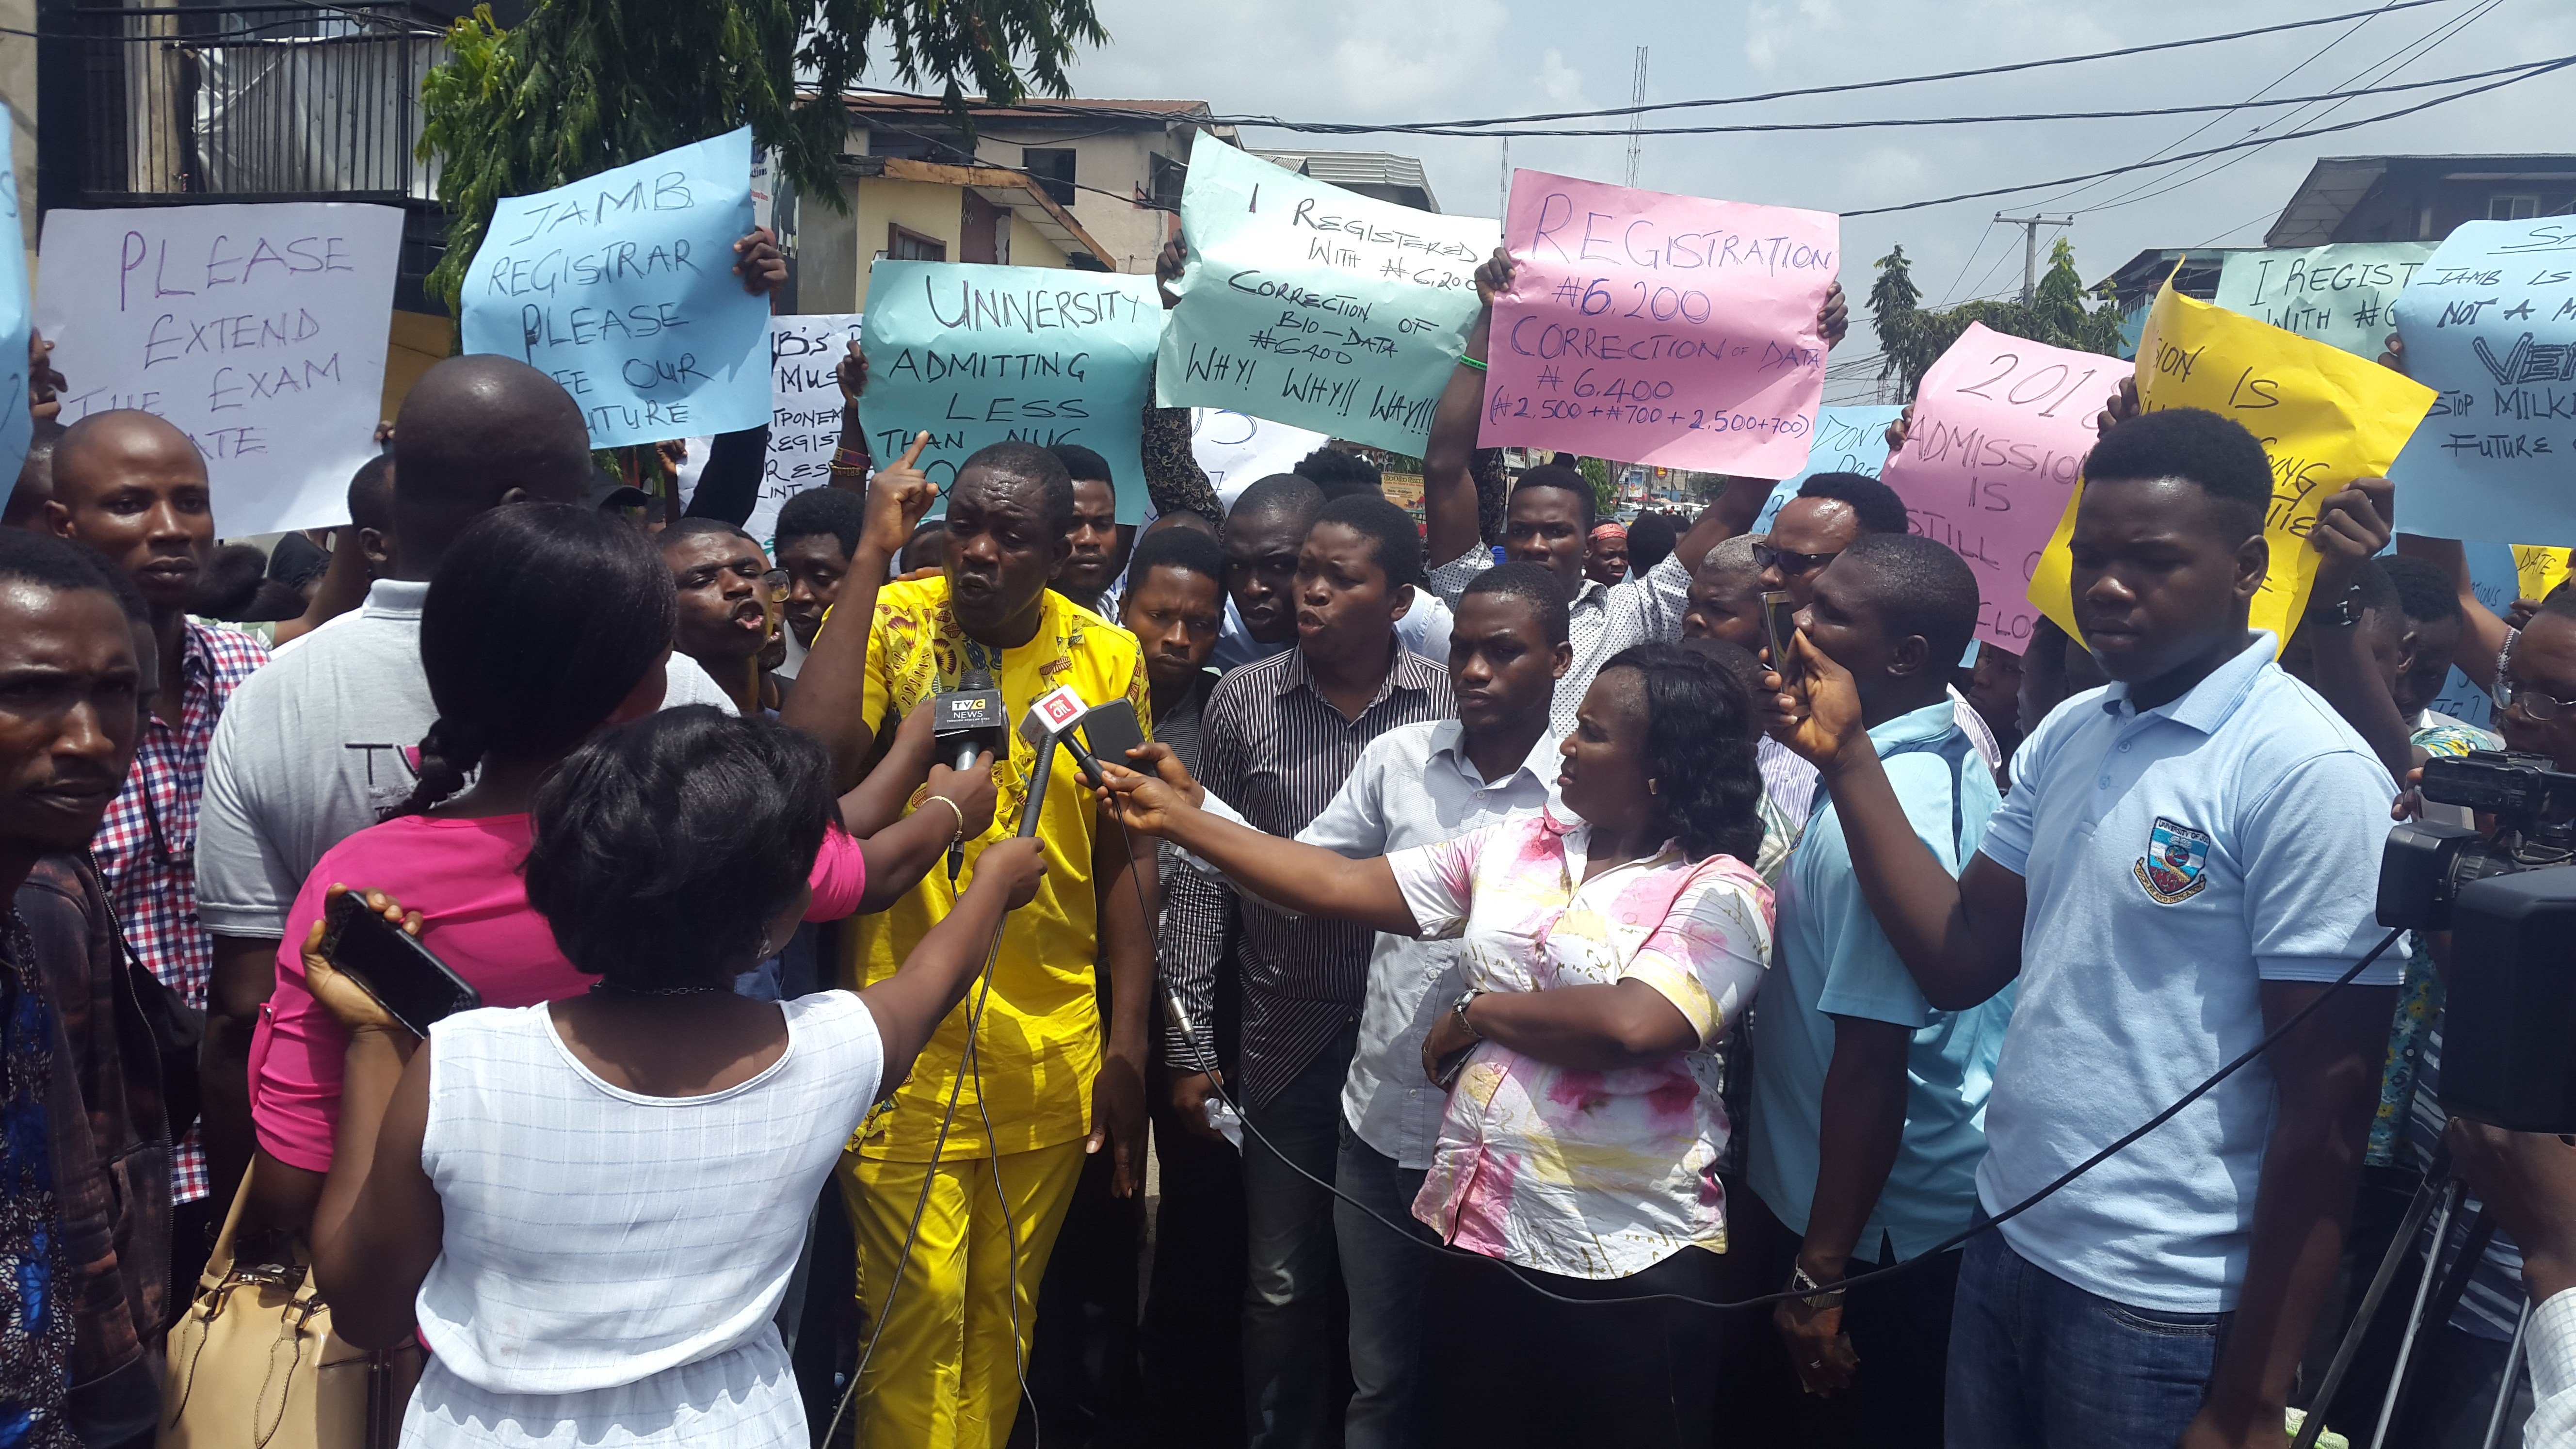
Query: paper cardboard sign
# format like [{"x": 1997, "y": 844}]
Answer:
[
  {"x": 2343, "y": 295},
  {"x": 1314, "y": 306},
  {"x": 621, "y": 287},
  {"x": 1849, "y": 439},
  {"x": 2324, "y": 416},
  {"x": 1666, "y": 330},
  {"x": 1237, "y": 450},
  {"x": 16, "y": 427},
  {"x": 2490, "y": 325},
  {"x": 804, "y": 411},
  {"x": 259, "y": 331},
  {"x": 977, "y": 354},
  {"x": 2001, "y": 427}
]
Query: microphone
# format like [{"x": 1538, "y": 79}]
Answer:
[
  {"x": 1048, "y": 723},
  {"x": 969, "y": 720}
]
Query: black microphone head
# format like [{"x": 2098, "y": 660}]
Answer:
[{"x": 974, "y": 679}]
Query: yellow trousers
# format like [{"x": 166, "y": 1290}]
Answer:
[{"x": 946, "y": 1372}]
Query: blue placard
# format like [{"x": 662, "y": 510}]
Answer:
[
  {"x": 2490, "y": 325},
  {"x": 15, "y": 426},
  {"x": 621, "y": 287},
  {"x": 975, "y": 354},
  {"x": 1848, "y": 440}
]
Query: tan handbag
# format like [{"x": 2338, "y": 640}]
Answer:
[{"x": 254, "y": 1364}]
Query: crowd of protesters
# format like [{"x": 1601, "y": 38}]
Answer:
[{"x": 1496, "y": 958}]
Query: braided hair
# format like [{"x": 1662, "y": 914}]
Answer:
[
  {"x": 540, "y": 620},
  {"x": 1699, "y": 749}
]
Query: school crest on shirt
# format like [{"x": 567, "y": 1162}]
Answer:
[{"x": 2173, "y": 869}]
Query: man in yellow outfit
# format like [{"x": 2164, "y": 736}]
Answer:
[{"x": 1045, "y": 1083}]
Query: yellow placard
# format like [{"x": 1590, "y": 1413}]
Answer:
[
  {"x": 2325, "y": 416},
  {"x": 418, "y": 343},
  {"x": 2537, "y": 569}
]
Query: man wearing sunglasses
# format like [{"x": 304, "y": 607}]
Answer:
[{"x": 729, "y": 598}]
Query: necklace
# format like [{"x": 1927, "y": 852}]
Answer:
[{"x": 622, "y": 990}]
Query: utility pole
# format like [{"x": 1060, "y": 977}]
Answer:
[
  {"x": 1636, "y": 97},
  {"x": 2030, "y": 226},
  {"x": 1504, "y": 206}
]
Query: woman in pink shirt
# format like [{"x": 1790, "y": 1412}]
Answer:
[{"x": 544, "y": 626}]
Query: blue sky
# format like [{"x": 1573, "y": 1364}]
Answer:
[{"x": 1405, "y": 60}]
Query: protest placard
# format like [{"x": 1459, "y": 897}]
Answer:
[
  {"x": 2001, "y": 427},
  {"x": 1237, "y": 450},
  {"x": 804, "y": 410},
  {"x": 16, "y": 427},
  {"x": 621, "y": 287},
  {"x": 1666, "y": 330},
  {"x": 977, "y": 354},
  {"x": 259, "y": 331},
  {"x": 1314, "y": 306},
  {"x": 2341, "y": 295},
  {"x": 2490, "y": 325},
  {"x": 1849, "y": 439},
  {"x": 2325, "y": 416}
]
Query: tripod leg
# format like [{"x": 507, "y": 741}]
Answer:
[
  {"x": 2426, "y": 1197},
  {"x": 2458, "y": 1190},
  {"x": 2512, "y": 1366}
]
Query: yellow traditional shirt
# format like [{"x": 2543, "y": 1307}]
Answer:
[{"x": 1040, "y": 1039}]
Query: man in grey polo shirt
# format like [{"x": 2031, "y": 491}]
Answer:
[
  {"x": 323, "y": 740},
  {"x": 2187, "y": 858}
]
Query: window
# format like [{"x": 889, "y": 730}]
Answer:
[
  {"x": 1052, "y": 169},
  {"x": 903, "y": 244},
  {"x": 1168, "y": 175},
  {"x": 2512, "y": 208}
]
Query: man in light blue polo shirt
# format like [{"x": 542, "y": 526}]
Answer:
[
  {"x": 1868, "y": 1106},
  {"x": 2188, "y": 858}
]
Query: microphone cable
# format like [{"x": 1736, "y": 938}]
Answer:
[{"x": 1206, "y": 1044}]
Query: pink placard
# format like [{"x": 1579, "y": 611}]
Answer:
[
  {"x": 1666, "y": 330},
  {"x": 2001, "y": 427}
]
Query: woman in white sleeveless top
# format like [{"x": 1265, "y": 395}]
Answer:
[{"x": 590, "y": 1209}]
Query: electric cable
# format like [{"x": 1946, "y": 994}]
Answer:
[
  {"x": 1357, "y": 128},
  {"x": 1206, "y": 1045}
]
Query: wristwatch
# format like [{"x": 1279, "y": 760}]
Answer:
[
  {"x": 1459, "y": 1007},
  {"x": 1818, "y": 1295},
  {"x": 2343, "y": 614}
]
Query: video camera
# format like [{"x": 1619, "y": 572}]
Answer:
[{"x": 2509, "y": 901}]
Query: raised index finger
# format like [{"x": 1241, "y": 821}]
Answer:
[{"x": 920, "y": 441}]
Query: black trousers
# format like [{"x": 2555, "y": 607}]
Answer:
[
  {"x": 1083, "y": 1368},
  {"x": 1193, "y": 1320},
  {"x": 1503, "y": 1365},
  {"x": 1900, "y": 1329}
]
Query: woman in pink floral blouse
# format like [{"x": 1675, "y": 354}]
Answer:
[{"x": 1610, "y": 947}]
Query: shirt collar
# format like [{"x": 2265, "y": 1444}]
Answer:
[
  {"x": 1591, "y": 594},
  {"x": 396, "y": 598},
  {"x": 2206, "y": 705},
  {"x": 1404, "y": 670},
  {"x": 1915, "y": 726},
  {"x": 1449, "y": 741}
]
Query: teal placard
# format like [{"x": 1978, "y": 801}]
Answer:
[
  {"x": 1317, "y": 307},
  {"x": 2343, "y": 295},
  {"x": 975, "y": 355}
]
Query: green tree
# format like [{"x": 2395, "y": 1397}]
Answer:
[
  {"x": 1596, "y": 471},
  {"x": 1913, "y": 339},
  {"x": 584, "y": 85}
]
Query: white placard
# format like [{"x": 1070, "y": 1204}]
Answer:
[
  {"x": 804, "y": 410},
  {"x": 1237, "y": 450},
  {"x": 259, "y": 330}
]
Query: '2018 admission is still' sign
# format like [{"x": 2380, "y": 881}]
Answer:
[{"x": 1666, "y": 330}]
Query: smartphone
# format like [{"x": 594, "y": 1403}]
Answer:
[
  {"x": 413, "y": 986},
  {"x": 1110, "y": 730},
  {"x": 1779, "y": 616}
]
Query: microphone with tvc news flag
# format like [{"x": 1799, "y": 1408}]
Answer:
[{"x": 967, "y": 721}]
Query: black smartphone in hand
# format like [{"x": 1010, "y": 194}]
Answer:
[
  {"x": 1111, "y": 730},
  {"x": 413, "y": 986},
  {"x": 1780, "y": 619}
]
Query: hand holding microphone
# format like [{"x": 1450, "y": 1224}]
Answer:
[{"x": 969, "y": 731}]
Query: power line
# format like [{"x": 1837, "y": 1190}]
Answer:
[
  {"x": 1354, "y": 128},
  {"x": 2546, "y": 68},
  {"x": 2423, "y": 45}
]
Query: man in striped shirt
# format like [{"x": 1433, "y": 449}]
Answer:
[{"x": 1280, "y": 738}]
